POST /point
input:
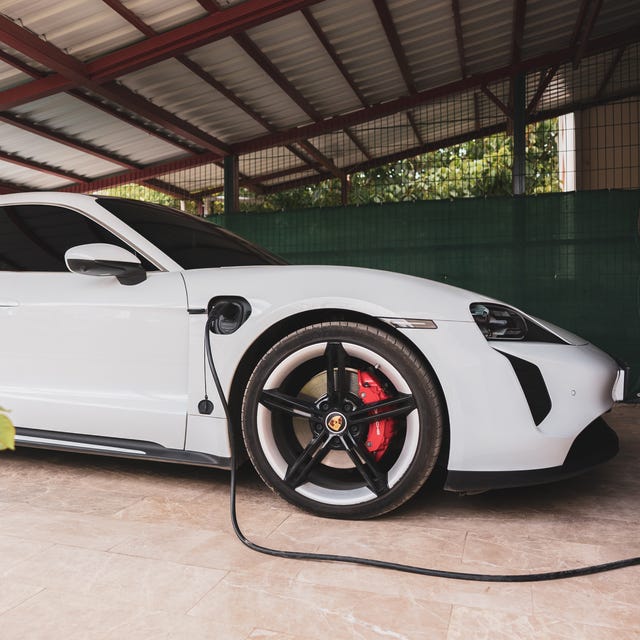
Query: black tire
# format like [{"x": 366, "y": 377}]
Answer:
[{"x": 307, "y": 433}]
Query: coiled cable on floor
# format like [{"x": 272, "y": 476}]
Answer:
[{"x": 369, "y": 562}]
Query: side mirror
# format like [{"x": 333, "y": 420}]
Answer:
[{"x": 105, "y": 260}]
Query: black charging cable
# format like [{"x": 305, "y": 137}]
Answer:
[{"x": 368, "y": 562}]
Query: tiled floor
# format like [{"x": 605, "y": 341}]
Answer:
[{"x": 93, "y": 548}]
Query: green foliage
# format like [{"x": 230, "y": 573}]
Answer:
[
  {"x": 7, "y": 431},
  {"x": 478, "y": 168}
]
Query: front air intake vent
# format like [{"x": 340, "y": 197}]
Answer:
[{"x": 532, "y": 383}]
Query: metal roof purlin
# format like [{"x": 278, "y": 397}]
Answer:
[
  {"x": 609, "y": 72},
  {"x": 42, "y": 168},
  {"x": 394, "y": 42},
  {"x": 61, "y": 138},
  {"x": 214, "y": 26},
  {"x": 276, "y": 75},
  {"x": 143, "y": 174},
  {"x": 333, "y": 54},
  {"x": 587, "y": 33},
  {"x": 318, "y": 156},
  {"x": 28, "y": 43},
  {"x": 457, "y": 21},
  {"x": 494, "y": 98},
  {"x": 517, "y": 32},
  {"x": 414, "y": 126},
  {"x": 545, "y": 80}
]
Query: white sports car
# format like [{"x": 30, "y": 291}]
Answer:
[{"x": 349, "y": 385}]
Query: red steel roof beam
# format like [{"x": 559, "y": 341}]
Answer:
[
  {"x": 319, "y": 157},
  {"x": 457, "y": 22},
  {"x": 414, "y": 125},
  {"x": 195, "y": 68},
  {"x": 394, "y": 157},
  {"x": 630, "y": 35},
  {"x": 137, "y": 175},
  {"x": 354, "y": 138},
  {"x": 42, "y": 167},
  {"x": 545, "y": 80},
  {"x": 517, "y": 30},
  {"x": 582, "y": 46},
  {"x": 276, "y": 75},
  {"x": 333, "y": 54},
  {"x": 215, "y": 26},
  {"x": 62, "y": 138},
  {"x": 494, "y": 98},
  {"x": 609, "y": 73},
  {"x": 394, "y": 41},
  {"x": 170, "y": 138}
]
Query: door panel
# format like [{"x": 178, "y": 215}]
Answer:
[{"x": 87, "y": 355}]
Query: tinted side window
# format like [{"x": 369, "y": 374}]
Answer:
[
  {"x": 36, "y": 237},
  {"x": 189, "y": 241}
]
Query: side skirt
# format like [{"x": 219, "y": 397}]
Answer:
[{"x": 116, "y": 447}]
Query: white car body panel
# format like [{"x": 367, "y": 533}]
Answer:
[
  {"x": 87, "y": 355},
  {"x": 490, "y": 423}
]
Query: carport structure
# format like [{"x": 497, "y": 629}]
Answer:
[{"x": 98, "y": 93}]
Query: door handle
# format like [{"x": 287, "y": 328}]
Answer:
[{"x": 8, "y": 303}]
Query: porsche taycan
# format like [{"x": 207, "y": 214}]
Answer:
[{"x": 348, "y": 387}]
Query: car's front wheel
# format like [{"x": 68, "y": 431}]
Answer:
[{"x": 342, "y": 419}]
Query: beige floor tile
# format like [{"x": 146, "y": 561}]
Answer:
[
  {"x": 501, "y": 597},
  {"x": 286, "y": 605},
  {"x": 46, "y": 525},
  {"x": 504, "y": 553},
  {"x": 53, "y": 614},
  {"x": 14, "y": 550},
  {"x": 208, "y": 511},
  {"x": 372, "y": 539},
  {"x": 14, "y": 593},
  {"x": 203, "y": 548},
  {"x": 482, "y": 624},
  {"x": 150, "y": 584},
  {"x": 608, "y": 600}
]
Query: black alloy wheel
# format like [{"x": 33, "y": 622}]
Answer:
[{"x": 343, "y": 420}]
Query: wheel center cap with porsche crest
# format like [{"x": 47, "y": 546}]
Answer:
[{"x": 335, "y": 422}]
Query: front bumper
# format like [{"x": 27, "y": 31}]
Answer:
[{"x": 597, "y": 443}]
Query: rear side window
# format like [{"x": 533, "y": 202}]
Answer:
[{"x": 36, "y": 237}]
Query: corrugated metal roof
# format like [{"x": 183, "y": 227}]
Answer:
[{"x": 349, "y": 68}]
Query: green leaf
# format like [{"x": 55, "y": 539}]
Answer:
[{"x": 7, "y": 432}]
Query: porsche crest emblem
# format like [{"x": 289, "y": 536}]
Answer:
[{"x": 336, "y": 422}]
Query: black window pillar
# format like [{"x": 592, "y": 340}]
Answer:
[
  {"x": 231, "y": 185},
  {"x": 519, "y": 137}
]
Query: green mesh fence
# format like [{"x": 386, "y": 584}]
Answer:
[{"x": 573, "y": 259}]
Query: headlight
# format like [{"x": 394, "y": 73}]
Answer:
[{"x": 498, "y": 322}]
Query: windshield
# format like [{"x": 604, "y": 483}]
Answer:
[{"x": 191, "y": 242}]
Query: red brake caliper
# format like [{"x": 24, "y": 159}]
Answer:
[{"x": 380, "y": 431}]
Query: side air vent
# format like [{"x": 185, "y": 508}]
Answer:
[{"x": 532, "y": 383}]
